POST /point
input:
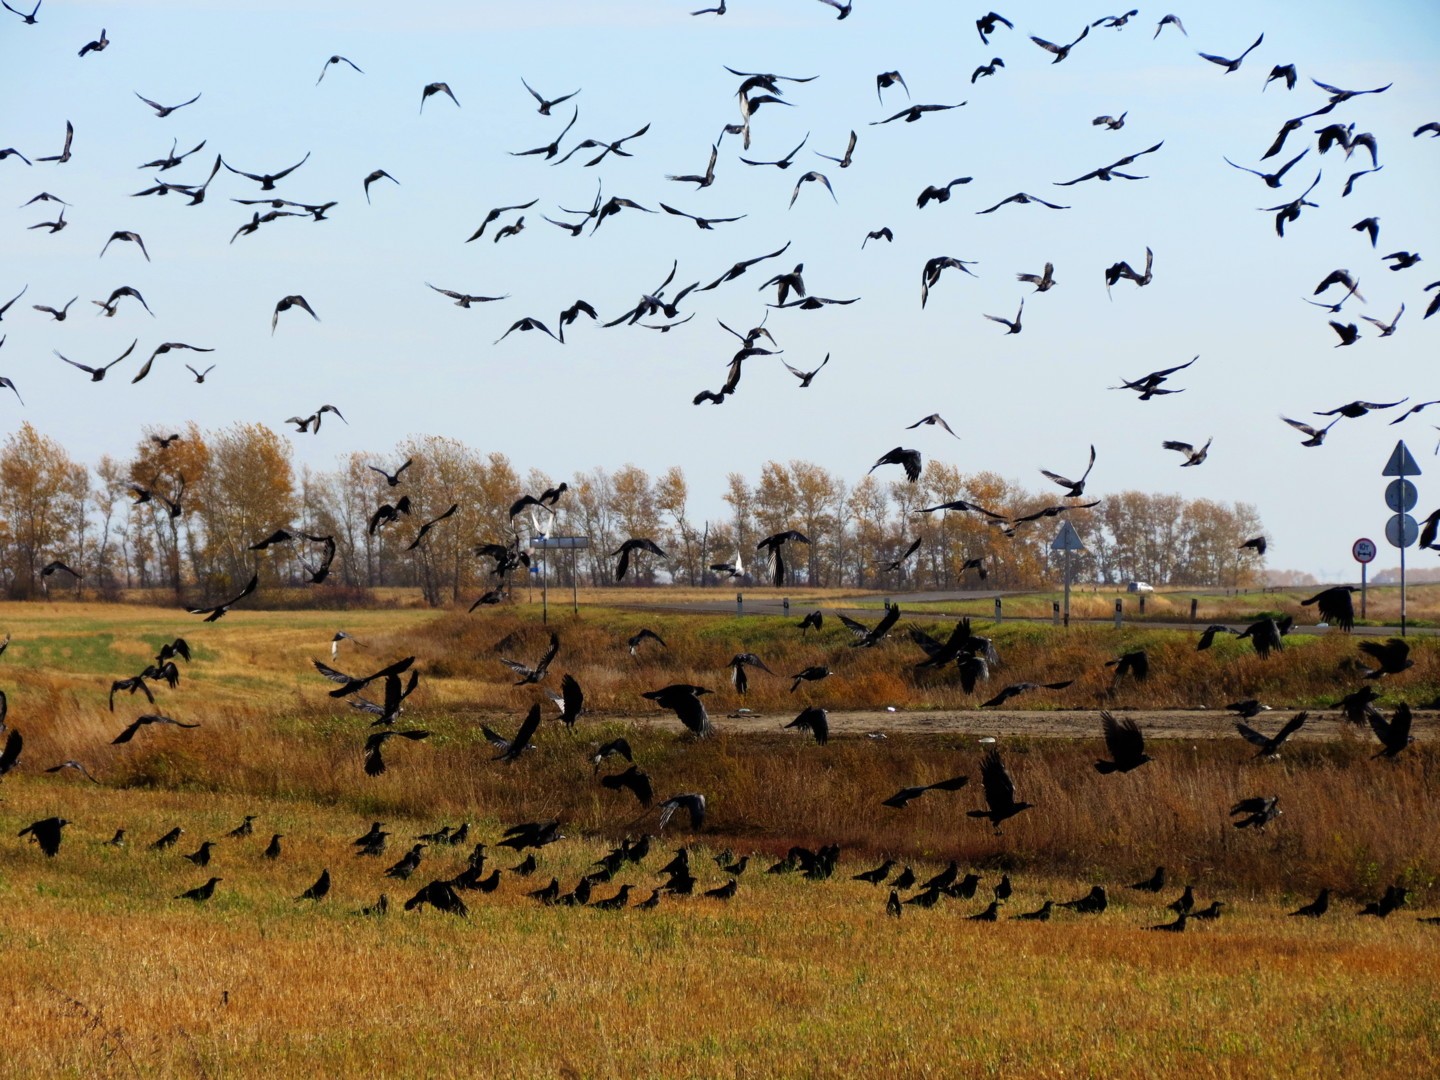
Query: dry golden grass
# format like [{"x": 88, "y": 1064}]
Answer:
[{"x": 108, "y": 976}]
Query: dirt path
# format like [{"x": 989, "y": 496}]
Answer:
[{"x": 1067, "y": 724}]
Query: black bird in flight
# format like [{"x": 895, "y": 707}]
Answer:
[
  {"x": 915, "y": 112},
  {"x": 1016, "y": 689},
  {"x": 692, "y": 802},
  {"x": 213, "y": 613},
  {"x": 814, "y": 720},
  {"x": 847, "y": 159},
  {"x": 1270, "y": 744},
  {"x": 887, "y": 79},
  {"x": 1231, "y": 66},
  {"x": 1394, "y": 734},
  {"x": 639, "y": 543},
  {"x": 986, "y": 25},
  {"x": 684, "y": 701},
  {"x": 1260, "y": 810},
  {"x": 1148, "y": 386},
  {"x": 134, "y": 238},
  {"x": 1014, "y": 325},
  {"x": 511, "y": 749},
  {"x": 907, "y": 459},
  {"x": 378, "y": 174},
  {"x": 150, "y": 718},
  {"x": 30, "y": 19},
  {"x": 986, "y": 69},
  {"x": 879, "y": 234},
  {"x": 545, "y": 106},
  {"x": 633, "y": 780},
  {"x": 108, "y": 307},
  {"x": 905, "y": 796},
  {"x": 530, "y": 675},
  {"x": 1021, "y": 198},
  {"x": 427, "y": 526},
  {"x": 1126, "y": 745},
  {"x": 1075, "y": 488},
  {"x": 999, "y": 791},
  {"x": 939, "y": 194},
  {"x": 163, "y": 111},
  {"x": 1060, "y": 51},
  {"x": 285, "y": 304},
  {"x": 1392, "y": 656},
  {"x": 772, "y": 545},
  {"x": 335, "y": 60},
  {"x": 1335, "y": 606},
  {"x": 97, "y": 374},
  {"x": 1272, "y": 180},
  {"x": 46, "y": 833},
  {"x": 495, "y": 213},
  {"x": 64, "y": 155},
  {"x": 1192, "y": 456},
  {"x": 374, "y": 762},
  {"x": 437, "y": 88},
  {"x": 266, "y": 180}
]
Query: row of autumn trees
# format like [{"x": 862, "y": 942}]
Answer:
[{"x": 229, "y": 488}]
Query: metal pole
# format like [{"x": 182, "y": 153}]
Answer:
[
  {"x": 1402, "y": 590},
  {"x": 1119, "y": 612},
  {"x": 574, "y": 584},
  {"x": 1055, "y": 612},
  {"x": 1067, "y": 586},
  {"x": 1195, "y": 604},
  {"x": 998, "y": 615},
  {"x": 544, "y": 588},
  {"x": 1363, "y": 575}
]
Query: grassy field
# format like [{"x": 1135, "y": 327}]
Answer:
[{"x": 108, "y": 975}]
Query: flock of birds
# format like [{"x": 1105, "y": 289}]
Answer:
[
  {"x": 969, "y": 656},
  {"x": 753, "y": 92},
  {"x": 657, "y": 308}
]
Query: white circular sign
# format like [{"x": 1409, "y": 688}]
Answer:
[
  {"x": 1401, "y": 531},
  {"x": 1363, "y": 550}
]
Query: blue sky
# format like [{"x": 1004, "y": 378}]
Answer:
[{"x": 399, "y": 359}]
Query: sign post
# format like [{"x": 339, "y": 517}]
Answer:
[
  {"x": 558, "y": 543},
  {"x": 1068, "y": 541},
  {"x": 1364, "y": 551},
  {"x": 1401, "y": 530}
]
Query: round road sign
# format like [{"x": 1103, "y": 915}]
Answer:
[
  {"x": 1363, "y": 550},
  {"x": 1402, "y": 531},
  {"x": 1401, "y": 496}
]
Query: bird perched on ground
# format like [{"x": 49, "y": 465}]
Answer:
[
  {"x": 1125, "y": 743},
  {"x": 1092, "y": 903},
  {"x": 46, "y": 833},
  {"x": 1260, "y": 810},
  {"x": 999, "y": 791},
  {"x": 201, "y": 893},
  {"x": 1316, "y": 908},
  {"x": 1154, "y": 883},
  {"x": 1270, "y": 745},
  {"x": 201, "y": 855},
  {"x": 319, "y": 890},
  {"x": 1392, "y": 901},
  {"x": 440, "y": 895},
  {"x": 684, "y": 700},
  {"x": 904, "y": 796},
  {"x": 1335, "y": 606}
]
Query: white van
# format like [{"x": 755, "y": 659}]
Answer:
[{"x": 1139, "y": 587}]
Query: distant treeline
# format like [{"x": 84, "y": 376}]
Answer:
[{"x": 183, "y": 516}]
